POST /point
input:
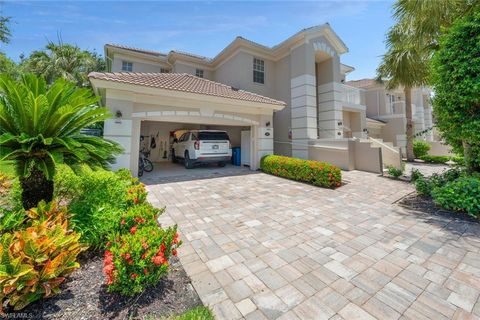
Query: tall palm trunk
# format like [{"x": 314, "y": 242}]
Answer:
[
  {"x": 408, "y": 115},
  {"x": 35, "y": 188}
]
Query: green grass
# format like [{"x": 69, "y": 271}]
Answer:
[{"x": 198, "y": 313}]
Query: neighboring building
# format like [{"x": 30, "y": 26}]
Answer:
[
  {"x": 322, "y": 117},
  {"x": 388, "y": 107}
]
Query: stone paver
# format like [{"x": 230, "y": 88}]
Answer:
[{"x": 261, "y": 247}]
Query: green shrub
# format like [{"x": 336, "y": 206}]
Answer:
[
  {"x": 35, "y": 260},
  {"x": 394, "y": 172},
  {"x": 435, "y": 159},
  {"x": 415, "y": 175},
  {"x": 96, "y": 200},
  {"x": 425, "y": 185},
  {"x": 317, "y": 173},
  {"x": 420, "y": 148},
  {"x": 139, "y": 258},
  {"x": 461, "y": 194}
]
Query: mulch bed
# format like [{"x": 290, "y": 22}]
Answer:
[
  {"x": 426, "y": 206},
  {"x": 84, "y": 296}
]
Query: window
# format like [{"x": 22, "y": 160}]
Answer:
[
  {"x": 184, "y": 137},
  {"x": 258, "y": 71},
  {"x": 164, "y": 70},
  {"x": 127, "y": 66},
  {"x": 213, "y": 135},
  {"x": 199, "y": 73}
]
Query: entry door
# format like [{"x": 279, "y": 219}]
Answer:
[{"x": 245, "y": 148}]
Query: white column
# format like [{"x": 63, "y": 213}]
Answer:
[{"x": 304, "y": 114}]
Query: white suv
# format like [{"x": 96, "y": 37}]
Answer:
[{"x": 202, "y": 146}]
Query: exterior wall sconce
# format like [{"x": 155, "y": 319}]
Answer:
[
  {"x": 340, "y": 123},
  {"x": 267, "y": 124},
  {"x": 339, "y": 133},
  {"x": 365, "y": 130},
  {"x": 118, "y": 116}
]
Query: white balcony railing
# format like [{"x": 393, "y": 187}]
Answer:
[
  {"x": 351, "y": 94},
  {"x": 398, "y": 107}
]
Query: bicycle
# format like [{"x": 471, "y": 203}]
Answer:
[{"x": 144, "y": 164}]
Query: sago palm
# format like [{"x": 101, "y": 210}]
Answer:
[
  {"x": 406, "y": 65},
  {"x": 40, "y": 128}
]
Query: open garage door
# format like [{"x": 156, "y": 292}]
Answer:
[{"x": 157, "y": 143}]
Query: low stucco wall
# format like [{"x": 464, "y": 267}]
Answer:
[
  {"x": 437, "y": 148},
  {"x": 339, "y": 157},
  {"x": 391, "y": 156},
  {"x": 367, "y": 158},
  {"x": 348, "y": 155}
]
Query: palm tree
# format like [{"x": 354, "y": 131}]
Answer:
[
  {"x": 405, "y": 64},
  {"x": 429, "y": 18},
  {"x": 4, "y": 29},
  {"x": 411, "y": 43},
  {"x": 63, "y": 61},
  {"x": 40, "y": 128}
]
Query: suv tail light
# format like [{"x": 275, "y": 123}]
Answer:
[
  {"x": 196, "y": 145},
  {"x": 229, "y": 145}
]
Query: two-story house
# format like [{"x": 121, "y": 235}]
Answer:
[
  {"x": 289, "y": 99},
  {"x": 388, "y": 108}
]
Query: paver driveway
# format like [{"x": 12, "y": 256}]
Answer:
[{"x": 257, "y": 246}]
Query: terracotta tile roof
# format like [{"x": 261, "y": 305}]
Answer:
[
  {"x": 363, "y": 83},
  {"x": 144, "y": 51},
  {"x": 183, "y": 82}
]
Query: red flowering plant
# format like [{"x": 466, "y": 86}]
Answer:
[
  {"x": 138, "y": 216},
  {"x": 135, "y": 260},
  {"x": 136, "y": 193}
]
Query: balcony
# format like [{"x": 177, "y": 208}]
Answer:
[{"x": 352, "y": 95}]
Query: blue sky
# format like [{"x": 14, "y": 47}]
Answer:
[{"x": 203, "y": 28}]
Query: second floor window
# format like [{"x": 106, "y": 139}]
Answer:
[
  {"x": 127, "y": 66},
  {"x": 258, "y": 71},
  {"x": 199, "y": 73}
]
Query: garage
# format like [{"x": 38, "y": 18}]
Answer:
[
  {"x": 148, "y": 107},
  {"x": 158, "y": 138}
]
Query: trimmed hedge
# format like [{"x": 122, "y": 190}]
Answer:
[
  {"x": 420, "y": 148},
  {"x": 314, "y": 172},
  {"x": 441, "y": 159}
]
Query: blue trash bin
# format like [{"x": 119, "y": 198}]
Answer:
[{"x": 236, "y": 159}]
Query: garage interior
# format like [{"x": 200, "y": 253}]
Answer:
[{"x": 157, "y": 138}]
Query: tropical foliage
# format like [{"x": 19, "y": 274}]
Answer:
[
  {"x": 35, "y": 260},
  {"x": 40, "y": 129},
  {"x": 405, "y": 64},
  {"x": 411, "y": 43},
  {"x": 97, "y": 200},
  {"x": 460, "y": 195},
  {"x": 63, "y": 61},
  {"x": 4, "y": 29},
  {"x": 317, "y": 173},
  {"x": 456, "y": 66}
]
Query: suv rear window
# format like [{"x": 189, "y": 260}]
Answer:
[{"x": 202, "y": 135}]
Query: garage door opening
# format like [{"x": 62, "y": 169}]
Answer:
[{"x": 157, "y": 141}]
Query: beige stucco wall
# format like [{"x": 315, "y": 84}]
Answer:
[
  {"x": 238, "y": 72},
  {"x": 139, "y": 65},
  {"x": 348, "y": 155},
  {"x": 393, "y": 128},
  {"x": 367, "y": 158},
  {"x": 182, "y": 67},
  {"x": 437, "y": 148}
]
